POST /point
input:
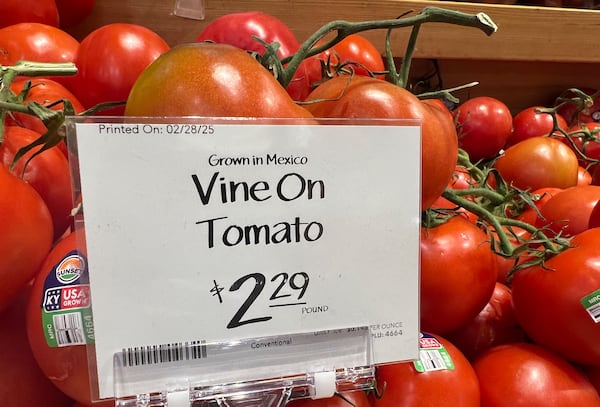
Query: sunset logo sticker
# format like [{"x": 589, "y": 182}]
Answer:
[{"x": 70, "y": 269}]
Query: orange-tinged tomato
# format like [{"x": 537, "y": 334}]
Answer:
[{"x": 211, "y": 80}]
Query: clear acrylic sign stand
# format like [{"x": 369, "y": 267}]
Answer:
[{"x": 241, "y": 373}]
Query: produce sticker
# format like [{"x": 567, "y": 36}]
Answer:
[{"x": 213, "y": 231}]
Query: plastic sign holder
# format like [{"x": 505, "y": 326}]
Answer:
[
  {"x": 251, "y": 372},
  {"x": 193, "y": 9},
  {"x": 276, "y": 258}
]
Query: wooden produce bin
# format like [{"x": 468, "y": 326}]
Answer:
[{"x": 536, "y": 53}]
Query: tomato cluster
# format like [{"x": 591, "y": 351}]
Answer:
[{"x": 510, "y": 269}]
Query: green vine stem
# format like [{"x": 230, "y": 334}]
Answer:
[{"x": 285, "y": 69}]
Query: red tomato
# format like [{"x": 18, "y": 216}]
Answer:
[
  {"x": 238, "y": 29},
  {"x": 505, "y": 265},
  {"x": 594, "y": 221},
  {"x": 109, "y": 61},
  {"x": 586, "y": 115},
  {"x": 345, "y": 399},
  {"x": 16, "y": 11},
  {"x": 214, "y": 80},
  {"x": 22, "y": 383},
  {"x": 484, "y": 124},
  {"x": 569, "y": 212},
  {"x": 461, "y": 179},
  {"x": 366, "y": 97},
  {"x": 66, "y": 365},
  {"x": 441, "y": 377},
  {"x": 583, "y": 176},
  {"x": 494, "y": 325},
  {"x": 527, "y": 375},
  {"x": 458, "y": 268},
  {"x": 73, "y": 12},
  {"x": 554, "y": 302},
  {"x": 531, "y": 123},
  {"x": 540, "y": 197},
  {"x": 48, "y": 173},
  {"x": 25, "y": 235},
  {"x": 593, "y": 375},
  {"x": 538, "y": 162}
]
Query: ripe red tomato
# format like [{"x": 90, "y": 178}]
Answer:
[
  {"x": 109, "y": 61},
  {"x": 554, "y": 302},
  {"x": 73, "y": 12},
  {"x": 238, "y": 29},
  {"x": 207, "y": 79},
  {"x": 48, "y": 173},
  {"x": 458, "y": 268},
  {"x": 22, "y": 383},
  {"x": 594, "y": 221},
  {"x": 66, "y": 365},
  {"x": 441, "y": 377},
  {"x": 484, "y": 124},
  {"x": 569, "y": 212},
  {"x": 538, "y": 162},
  {"x": 494, "y": 325},
  {"x": 25, "y": 235},
  {"x": 345, "y": 399},
  {"x": 540, "y": 197},
  {"x": 526, "y": 375},
  {"x": 588, "y": 114},
  {"x": 366, "y": 97},
  {"x": 16, "y": 11},
  {"x": 583, "y": 176},
  {"x": 531, "y": 123}
]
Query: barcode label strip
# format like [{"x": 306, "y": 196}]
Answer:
[
  {"x": 69, "y": 329},
  {"x": 432, "y": 360},
  {"x": 594, "y": 312},
  {"x": 164, "y": 353}
]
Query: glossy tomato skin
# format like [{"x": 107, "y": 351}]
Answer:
[
  {"x": 594, "y": 221},
  {"x": 528, "y": 375},
  {"x": 451, "y": 385},
  {"x": 484, "y": 124},
  {"x": 22, "y": 383},
  {"x": 26, "y": 233},
  {"x": 540, "y": 197},
  {"x": 550, "y": 300},
  {"x": 16, "y": 11},
  {"x": 366, "y": 97},
  {"x": 213, "y": 80},
  {"x": 530, "y": 122},
  {"x": 109, "y": 61},
  {"x": 48, "y": 173},
  {"x": 458, "y": 268},
  {"x": 345, "y": 399},
  {"x": 538, "y": 162},
  {"x": 495, "y": 325},
  {"x": 238, "y": 29}
]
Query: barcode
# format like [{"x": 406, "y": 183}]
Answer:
[
  {"x": 594, "y": 312},
  {"x": 69, "y": 329},
  {"x": 170, "y": 352},
  {"x": 432, "y": 360}
]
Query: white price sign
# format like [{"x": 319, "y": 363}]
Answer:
[{"x": 221, "y": 231}]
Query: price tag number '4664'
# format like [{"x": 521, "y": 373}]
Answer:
[{"x": 284, "y": 286}]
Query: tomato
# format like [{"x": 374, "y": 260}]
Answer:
[
  {"x": 48, "y": 173},
  {"x": 593, "y": 375},
  {"x": 527, "y": 375},
  {"x": 441, "y": 377},
  {"x": 345, "y": 399},
  {"x": 238, "y": 29},
  {"x": 66, "y": 365},
  {"x": 583, "y": 176},
  {"x": 354, "y": 53},
  {"x": 461, "y": 179},
  {"x": 207, "y": 79},
  {"x": 17, "y": 11},
  {"x": 540, "y": 197},
  {"x": 72, "y": 12},
  {"x": 366, "y": 97},
  {"x": 25, "y": 235},
  {"x": 22, "y": 383},
  {"x": 531, "y": 123},
  {"x": 588, "y": 114},
  {"x": 494, "y": 325},
  {"x": 484, "y": 125},
  {"x": 594, "y": 221},
  {"x": 538, "y": 162},
  {"x": 569, "y": 212},
  {"x": 554, "y": 302},
  {"x": 109, "y": 61},
  {"x": 458, "y": 268}
]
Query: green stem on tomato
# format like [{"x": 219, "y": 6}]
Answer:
[{"x": 29, "y": 68}]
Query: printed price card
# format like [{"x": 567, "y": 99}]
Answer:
[{"x": 217, "y": 231}]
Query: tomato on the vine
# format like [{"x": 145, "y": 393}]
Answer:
[
  {"x": 17, "y": 11},
  {"x": 530, "y": 122},
  {"x": 366, "y": 97},
  {"x": 207, "y": 79},
  {"x": 554, "y": 301},
  {"x": 531, "y": 215},
  {"x": 109, "y": 61},
  {"x": 526, "y": 375},
  {"x": 484, "y": 124}
]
